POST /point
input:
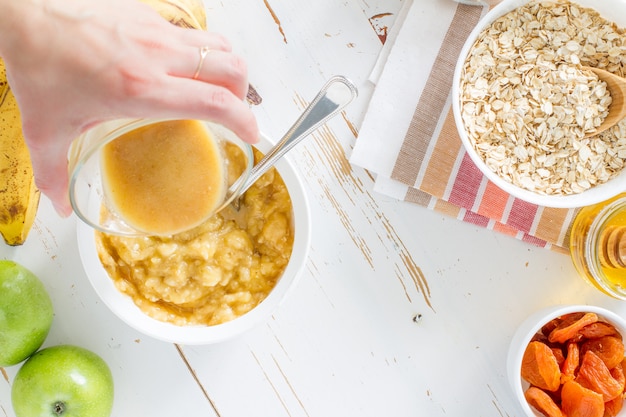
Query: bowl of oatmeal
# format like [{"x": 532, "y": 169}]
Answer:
[
  {"x": 215, "y": 281},
  {"x": 525, "y": 108}
]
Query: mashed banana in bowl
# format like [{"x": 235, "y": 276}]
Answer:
[{"x": 214, "y": 273}]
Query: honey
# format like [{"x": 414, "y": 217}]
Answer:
[
  {"x": 164, "y": 177},
  {"x": 598, "y": 245}
]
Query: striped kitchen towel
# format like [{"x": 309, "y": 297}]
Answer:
[{"x": 409, "y": 139}]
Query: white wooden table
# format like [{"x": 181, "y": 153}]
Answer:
[{"x": 401, "y": 311}]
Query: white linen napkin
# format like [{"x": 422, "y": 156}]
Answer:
[{"x": 408, "y": 138}]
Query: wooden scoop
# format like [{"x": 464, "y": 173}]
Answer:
[
  {"x": 613, "y": 247},
  {"x": 616, "y": 86}
]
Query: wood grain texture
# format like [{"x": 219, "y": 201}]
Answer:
[{"x": 401, "y": 311}]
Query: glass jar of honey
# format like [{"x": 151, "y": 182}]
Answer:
[{"x": 598, "y": 245}]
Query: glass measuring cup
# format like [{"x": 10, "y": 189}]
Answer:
[{"x": 138, "y": 177}]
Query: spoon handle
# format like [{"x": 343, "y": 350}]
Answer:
[{"x": 336, "y": 94}]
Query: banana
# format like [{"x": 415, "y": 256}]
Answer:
[
  {"x": 184, "y": 13},
  {"x": 19, "y": 197}
]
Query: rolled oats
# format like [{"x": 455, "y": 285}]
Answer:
[{"x": 527, "y": 104}]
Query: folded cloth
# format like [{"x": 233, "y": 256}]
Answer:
[{"x": 410, "y": 141}]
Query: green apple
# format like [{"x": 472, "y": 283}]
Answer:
[
  {"x": 63, "y": 381},
  {"x": 25, "y": 313}
]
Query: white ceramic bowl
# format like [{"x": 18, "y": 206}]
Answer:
[
  {"x": 613, "y": 10},
  {"x": 529, "y": 328},
  {"x": 123, "y": 307}
]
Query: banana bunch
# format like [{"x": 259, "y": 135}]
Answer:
[
  {"x": 19, "y": 197},
  {"x": 184, "y": 13}
]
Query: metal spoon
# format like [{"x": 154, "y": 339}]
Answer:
[
  {"x": 616, "y": 86},
  {"x": 336, "y": 94}
]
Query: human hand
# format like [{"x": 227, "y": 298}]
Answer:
[{"x": 75, "y": 63}]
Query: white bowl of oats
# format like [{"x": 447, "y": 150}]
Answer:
[
  {"x": 214, "y": 282},
  {"x": 525, "y": 110}
]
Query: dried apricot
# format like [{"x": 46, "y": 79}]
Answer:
[
  {"x": 539, "y": 399},
  {"x": 552, "y": 324},
  {"x": 599, "y": 329},
  {"x": 568, "y": 329},
  {"x": 558, "y": 354},
  {"x": 594, "y": 374},
  {"x": 609, "y": 348},
  {"x": 578, "y": 401},
  {"x": 540, "y": 368},
  {"x": 539, "y": 337},
  {"x": 570, "y": 365},
  {"x": 618, "y": 374},
  {"x": 613, "y": 407}
]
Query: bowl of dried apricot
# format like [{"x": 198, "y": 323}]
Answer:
[
  {"x": 569, "y": 361},
  {"x": 527, "y": 111}
]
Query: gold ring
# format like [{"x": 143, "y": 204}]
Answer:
[{"x": 204, "y": 51}]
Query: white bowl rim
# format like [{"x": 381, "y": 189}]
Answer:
[
  {"x": 530, "y": 326},
  {"x": 594, "y": 195},
  {"x": 125, "y": 309}
]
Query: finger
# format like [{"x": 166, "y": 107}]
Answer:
[
  {"x": 198, "y": 38},
  {"x": 215, "y": 67},
  {"x": 185, "y": 98},
  {"x": 51, "y": 177},
  {"x": 186, "y": 34}
]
